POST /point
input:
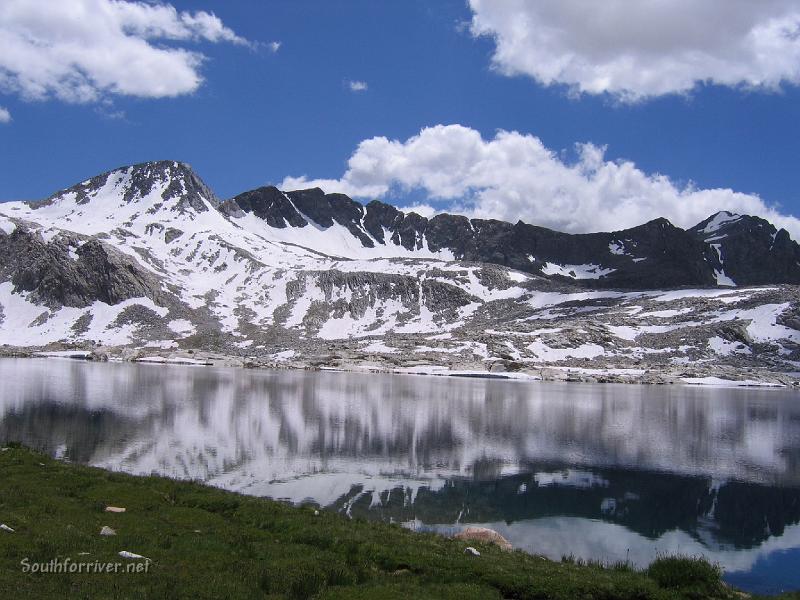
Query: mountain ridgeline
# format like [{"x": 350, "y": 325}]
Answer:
[
  {"x": 726, "y": 249},
  {"x": 146, "y": 260}
]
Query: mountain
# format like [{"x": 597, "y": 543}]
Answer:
[
  {"x": 146, "y": 260},
  {"x": 749, "y": 249},
  {"x": 656, "y": 254}
]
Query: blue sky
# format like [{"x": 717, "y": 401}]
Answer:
[{"x": 260, "y": 115}]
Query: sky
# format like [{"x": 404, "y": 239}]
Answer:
[{"x": 575, "y": 115}]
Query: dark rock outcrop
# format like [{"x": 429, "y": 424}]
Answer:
[
  {"x": 56, "y": 276},
  {"x": 750, "y": 249},
  {"x": 656, "y": 254},
  {"x": 270, "y": 204}
]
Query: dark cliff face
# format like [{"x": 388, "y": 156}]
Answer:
[
  {"x": 270, "y": 204},
  {"x": 662, "y": 254},
  {"x": 751, "y": 250},
  {"x": 655, "y": 254},
  {"x": 301, "y": 208}
]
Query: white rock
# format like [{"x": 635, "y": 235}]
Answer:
[
  {"x": 483, "y": 534},
  {"x": 5, "y": 527},
  {"x": 132, "y": 555},
  {"x": 115, "y": 509},
  {"x": 471, "y": 550},
  {"x": 106, "y": 530}
]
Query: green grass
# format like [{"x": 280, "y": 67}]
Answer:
[
  {"x": 682, "y": 572},
  {"x": 208, "y": 543}
]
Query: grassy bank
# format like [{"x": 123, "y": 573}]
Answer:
[{"x": 207, "y": 543}]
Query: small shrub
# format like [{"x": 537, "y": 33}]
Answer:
[{"x": 686, "y": 572}]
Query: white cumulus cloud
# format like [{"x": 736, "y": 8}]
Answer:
[
  {"x": 358, "y": 86},
  {"x": 5, "y": 116},
  {"x": 635, "y": 49},
  {"x": 86, "y": 50},
  {"x": 514, "y": 176}
]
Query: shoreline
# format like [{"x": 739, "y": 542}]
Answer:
[{"x": 697, "y": 376}]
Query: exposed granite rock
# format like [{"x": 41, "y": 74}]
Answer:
[
  {"x": 56, "y": 277},
  {"x": 171, "y": 234}
]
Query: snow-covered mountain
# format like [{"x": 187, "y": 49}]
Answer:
[{"x": 147, "y": 258}]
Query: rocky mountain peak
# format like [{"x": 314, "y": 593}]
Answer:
[
  {"x": 267, "y": 203},
  {"x": 160, "y": 181},
  {"x": 750, "y": 249},
  {"x": 711, "y": 226}
]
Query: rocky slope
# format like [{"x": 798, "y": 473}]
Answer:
[{"x": 146, "y": 262}]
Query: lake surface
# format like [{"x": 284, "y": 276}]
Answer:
[{"x": 598, "y": 471}]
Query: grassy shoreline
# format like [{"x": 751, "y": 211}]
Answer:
[{"x": 203, "y": 542}]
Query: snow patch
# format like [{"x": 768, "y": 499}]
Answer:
[
  {"x": 182, "y": 327},
  {"x": 763, "y": 322},
  {"x": 516, "y": 276},
  {"x": 725, "y": 347},
  {"x": 7, "y": 225},
  {"x": 720, "y": 219},
  {"x": 617, "y": 248},
  {"x": 723, "y": 279},
  {"x": 588, "y": 271},
  {"x": 379, "y": 348},
  {"x": 548, "y": 354},
  {"x": 664, "y": 314},
  {"x": 283, "y": 356},
  {"x": 30, "y": 324},
  {"x": 705, "y": 293}
]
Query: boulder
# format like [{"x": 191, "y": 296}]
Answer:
[{"x": 486, "y": 535}]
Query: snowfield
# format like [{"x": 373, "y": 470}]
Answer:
[{"x": 576, "y": 271}]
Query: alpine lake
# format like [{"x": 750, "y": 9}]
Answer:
[{"x": 592, "y": 471}]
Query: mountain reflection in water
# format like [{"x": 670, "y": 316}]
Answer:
[{"x": 595, "y": 470}]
